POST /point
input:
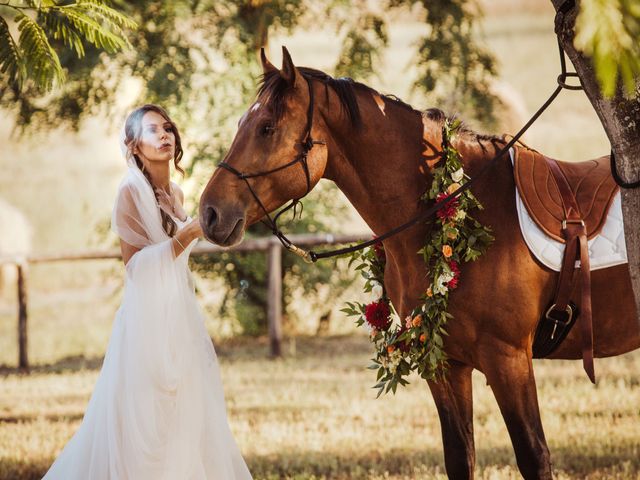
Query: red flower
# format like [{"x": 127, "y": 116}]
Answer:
[
  {"x": 449, "y": 210},
  {"x": 378, "y": 250},
  {"x": 377, "y": 315},
  {"x": 455, "y": 269}
]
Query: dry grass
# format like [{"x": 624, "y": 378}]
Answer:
[{"x": 313, "y": 415}]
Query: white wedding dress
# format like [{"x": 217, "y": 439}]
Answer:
[{"x": 157, "y": 411}]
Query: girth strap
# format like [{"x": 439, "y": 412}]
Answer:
[{"x": 576, "y": 248}]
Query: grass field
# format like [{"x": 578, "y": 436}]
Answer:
[{"x": 314, "y": 416}]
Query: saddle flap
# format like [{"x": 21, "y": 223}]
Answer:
[{"x": 591, "y": 183}]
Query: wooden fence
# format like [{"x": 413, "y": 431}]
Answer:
[{"x": 270, "y": 245}]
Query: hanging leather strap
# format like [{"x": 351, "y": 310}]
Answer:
[{"x": 576, "y": 248}]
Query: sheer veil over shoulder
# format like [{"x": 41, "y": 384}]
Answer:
[{"x": 157, "y": 410}]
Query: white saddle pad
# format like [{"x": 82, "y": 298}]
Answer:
[{"x": 606, "y": 249}]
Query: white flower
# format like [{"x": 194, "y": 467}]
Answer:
[
  {"x": 440, "y": 286},
  {"x": 460, "y": 215},
  {"x": 457, "y": 175},
  {"x": 376, "y": 290}
]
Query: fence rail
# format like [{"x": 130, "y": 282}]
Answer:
[{"x": 270, "y": 245}]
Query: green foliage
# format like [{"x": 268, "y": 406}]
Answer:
[
  {"x": 454, "y": 70},
  {"x": 34, "y": 58},
  {"x": 609, "y": 32},
  {"x": 363, "y": 46}
]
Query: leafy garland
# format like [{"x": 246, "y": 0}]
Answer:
[{"x": 416, "y": 343}]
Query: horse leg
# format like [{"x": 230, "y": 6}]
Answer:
[
  {"x": 454, "y": 401},
  {"x": 510, "y": 376}
]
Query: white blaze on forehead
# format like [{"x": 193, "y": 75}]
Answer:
[
  {"x": 253, "y": 108},
  {"x": 380, "y": 102}
]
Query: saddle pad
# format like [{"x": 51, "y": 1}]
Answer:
[{"x": 606, "y": 249}]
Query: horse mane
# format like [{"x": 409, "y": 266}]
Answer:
[{"x": 275, "y": 89}]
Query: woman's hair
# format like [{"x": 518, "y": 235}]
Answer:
[{"x": 132, "y": 136}]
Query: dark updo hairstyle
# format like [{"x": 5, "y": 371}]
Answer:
[{"x": 132, "y": 136}]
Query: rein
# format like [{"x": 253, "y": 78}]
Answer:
[
  {"x": 562, "y": 84},
  {"x": 307, "y": 144}
]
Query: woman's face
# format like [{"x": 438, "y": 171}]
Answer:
[{"x": 157, "y": 142}]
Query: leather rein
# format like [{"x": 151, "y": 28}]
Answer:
[{"x": 308, "y": 143}]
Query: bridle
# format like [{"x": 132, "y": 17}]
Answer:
[{"x": 307, "y": 143}]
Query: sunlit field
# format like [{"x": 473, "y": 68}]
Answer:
[{"x": 314, "y": 416}]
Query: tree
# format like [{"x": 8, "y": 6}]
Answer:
[
  {"x": 601, "y": 39},
  {"x": 41, "y": 23}
]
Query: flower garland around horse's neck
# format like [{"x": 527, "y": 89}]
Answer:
[{"x": 454, "y": 238}]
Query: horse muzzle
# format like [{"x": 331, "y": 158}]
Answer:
[{"x": 222, "y": 226}]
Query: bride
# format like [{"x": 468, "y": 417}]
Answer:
[{"x": 157, "y": 410}]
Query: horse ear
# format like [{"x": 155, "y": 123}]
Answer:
[
  {"x": 288, "y": 71},
  {"x": 267, "y": 66}
]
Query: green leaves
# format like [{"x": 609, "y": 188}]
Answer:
[
  {"x": 608, "y": 31},
  {"x": 33, "y": 56},
  {"x": 10, "y": 59},
  {"x": 40, "y": 61}
]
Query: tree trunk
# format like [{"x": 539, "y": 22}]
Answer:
[{"x": 620, "y": 117}]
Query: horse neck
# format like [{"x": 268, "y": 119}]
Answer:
[{"x": 378, "y": 167}]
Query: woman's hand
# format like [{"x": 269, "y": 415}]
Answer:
[
  {"x": 193, "y": 229},
  {"x": 186, "y": 235}
]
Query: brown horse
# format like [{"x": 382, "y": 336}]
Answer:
[{"x": 379, "y": 151}]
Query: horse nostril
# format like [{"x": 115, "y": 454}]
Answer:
[{"x": 211, "y": 218}]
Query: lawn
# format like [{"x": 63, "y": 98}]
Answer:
[{"x": 313, "y": 415}]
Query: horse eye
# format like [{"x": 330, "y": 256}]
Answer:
[{"x": 267, "y": 130}]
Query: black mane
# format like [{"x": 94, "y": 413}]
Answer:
[{"x": 275, "y": 89}]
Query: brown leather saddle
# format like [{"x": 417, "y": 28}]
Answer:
[
  {"x": 590, "y": 182},
  {"x": 569, "y": 201}
]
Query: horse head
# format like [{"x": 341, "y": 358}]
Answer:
[{"x": 272, "y": 159}]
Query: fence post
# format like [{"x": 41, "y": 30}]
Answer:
[
  {"x": 274, "y": 299},
  {"x": 23, "y": 358}
]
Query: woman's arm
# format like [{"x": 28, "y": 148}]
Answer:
[
  {"x": 185, "y": 236},
  {"x": 189, "y": 232},
  {"x": 127, "y": 250}
]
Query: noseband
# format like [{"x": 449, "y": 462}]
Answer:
[{"x": 307, "y": 144}]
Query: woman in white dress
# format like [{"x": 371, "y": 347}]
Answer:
[{"x": 157, "y": 410}]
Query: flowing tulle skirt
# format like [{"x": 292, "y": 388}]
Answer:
[{"x": 157, "y": 410}]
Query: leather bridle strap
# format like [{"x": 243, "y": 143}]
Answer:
[
  {"x": 576, "y": 248},
  {"x": 307, "y": 144}
]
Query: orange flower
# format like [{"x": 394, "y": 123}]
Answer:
[
  {"x": 447, "y": 251},
  {"x": 452, "y": 188},
  {"x": 429, "y": 292},
  {"x": 417, "y": 321},
  {"x": 390, "y": 348},
  {"x": 423, "y": 338},
  {"x": 452, "y": 234}
]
